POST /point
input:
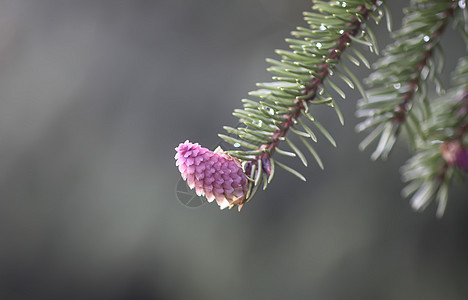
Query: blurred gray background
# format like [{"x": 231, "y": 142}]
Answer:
[{"x": 95, "y": 95}]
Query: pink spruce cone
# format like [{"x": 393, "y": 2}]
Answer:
[
  {"x": 455, "y": 154},
  {"x": 215, "y": 175}
]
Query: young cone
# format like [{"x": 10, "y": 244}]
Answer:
[
  {"x": 215, "y": 175},
  {"x": 455, "y": 154}
]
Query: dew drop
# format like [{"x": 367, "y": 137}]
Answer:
[
  {"x": 322, "y": 27},
  {"x": 319, "y": 45},
  {"x": 462, "y": 4},
  {"x": 237, "y": 145},
  {"x": 269, "y": 110},
  {"x": 397, "y": 86},
  {"x": 426, "y": 38}
]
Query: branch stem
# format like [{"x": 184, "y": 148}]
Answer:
[{"x": 313, "y": 85}]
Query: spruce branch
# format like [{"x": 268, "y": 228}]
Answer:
[
  {"x": 443, "y": 155},
  {"x": 305, "y": 77},
  {"x": 400, "y": 78},
  {"x": 302, "y": 78}
]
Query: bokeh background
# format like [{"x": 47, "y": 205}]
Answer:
[{"x": 95, "y": 95}]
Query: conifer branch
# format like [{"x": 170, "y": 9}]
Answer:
[
  {"x": 302, "y": 78},
  {"x": 399, "y": 80},
  {"x": 443, "y": 155}
]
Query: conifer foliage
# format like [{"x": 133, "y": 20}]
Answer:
[{"x": 398, "y": 97}]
